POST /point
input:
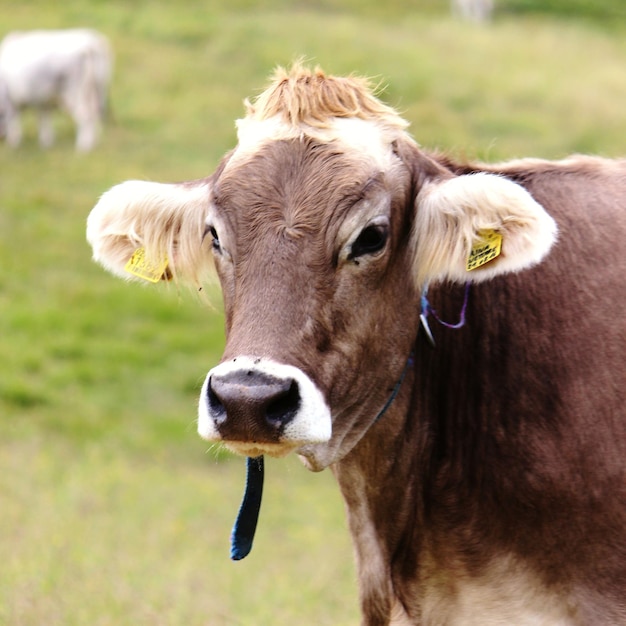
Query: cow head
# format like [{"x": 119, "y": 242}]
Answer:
[{"x": 324, "y": 225}]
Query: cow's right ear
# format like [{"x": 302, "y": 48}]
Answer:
[{"x": 152, "y": 231}]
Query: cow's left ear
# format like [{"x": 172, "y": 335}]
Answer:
[{"x": 473, "y": 227}]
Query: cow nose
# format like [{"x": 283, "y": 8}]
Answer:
[{"x": 251, "y": 404}]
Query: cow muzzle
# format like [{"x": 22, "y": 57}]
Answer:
[{"x": 258, "y": 406}]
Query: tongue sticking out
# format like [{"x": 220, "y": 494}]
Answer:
[{"x": 242, "y": 535}]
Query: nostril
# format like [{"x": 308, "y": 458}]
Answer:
[
  {"x": 216, "y": 407},
  {"x": 284, "y": 407}
]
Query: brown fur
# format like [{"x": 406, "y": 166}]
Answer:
[
  {"x": 493, "y": 490},
  {"x": 521, "y": 434},
  {"x": 508, "y": 437}
]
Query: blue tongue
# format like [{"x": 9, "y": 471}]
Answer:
[{"x": 242, "y": 535}]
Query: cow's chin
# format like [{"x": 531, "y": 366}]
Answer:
[
  {"x": 316, "y": 456},
  {"x": 276, "y": 450},
  {"x": 313, "y": 456}
]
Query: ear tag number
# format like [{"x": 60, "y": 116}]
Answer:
[
  {"x": 140, "y": 266},
  {"x": 487, "y": 247}
]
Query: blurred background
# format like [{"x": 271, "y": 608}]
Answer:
[{"x": 112, "y": 510}]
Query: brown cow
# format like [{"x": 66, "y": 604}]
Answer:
[{"x": 484, "y": 477}]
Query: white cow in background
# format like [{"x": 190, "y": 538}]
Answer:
[
  {"x": 473, "y": 10},
  {"x": 47, "y": 69}
]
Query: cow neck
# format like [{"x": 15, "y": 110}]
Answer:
[
  {"x": 242, "y": 535},
  {"x": 426, "y": 310},
  {"x": 396, "y": 389}
]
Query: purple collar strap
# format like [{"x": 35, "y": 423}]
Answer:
[{"x": 427, "y": 310}]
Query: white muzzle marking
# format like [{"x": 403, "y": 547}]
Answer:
[{"x": 311, "y": 423}]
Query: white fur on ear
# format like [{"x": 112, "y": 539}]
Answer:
[
  {"x": 165, "y": 220},
  {"x": 452, "y": 216}
]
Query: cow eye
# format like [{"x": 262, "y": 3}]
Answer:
[
  {"x": 371, "y": 240},
  {"x": 215, "y": 243}
]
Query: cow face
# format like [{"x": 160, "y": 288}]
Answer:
[
  {"x": 323, "y": 236},
  {"x": 317, "y": 296}
]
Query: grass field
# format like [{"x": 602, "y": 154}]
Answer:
[{"x": 112, "y": 510}]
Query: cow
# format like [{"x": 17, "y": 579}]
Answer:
[
  {"x": 44, "y": 70},
  {"x": 479, "y": 11},
  {"x": 483, "y": 465}
]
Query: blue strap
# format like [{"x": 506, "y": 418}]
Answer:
[
  {"x": 243, "y": 531},
  {"x": 394, "y": 393}
]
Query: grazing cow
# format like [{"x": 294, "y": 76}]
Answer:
[
  {"x": 484, "y": 476},
  {"x": 43, "y": 70},
  {"x": 473, "y": 10}
]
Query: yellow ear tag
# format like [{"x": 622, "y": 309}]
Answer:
[
  {"x": 485, "y": 249},
  {"x": 141, "y": 267}
]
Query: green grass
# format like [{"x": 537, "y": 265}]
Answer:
[
  {"x": 97, "y": 535},
  {"x": 113, "y": 510}
]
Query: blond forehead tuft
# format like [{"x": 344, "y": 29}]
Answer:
[{"x": 301, "y": 96}]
